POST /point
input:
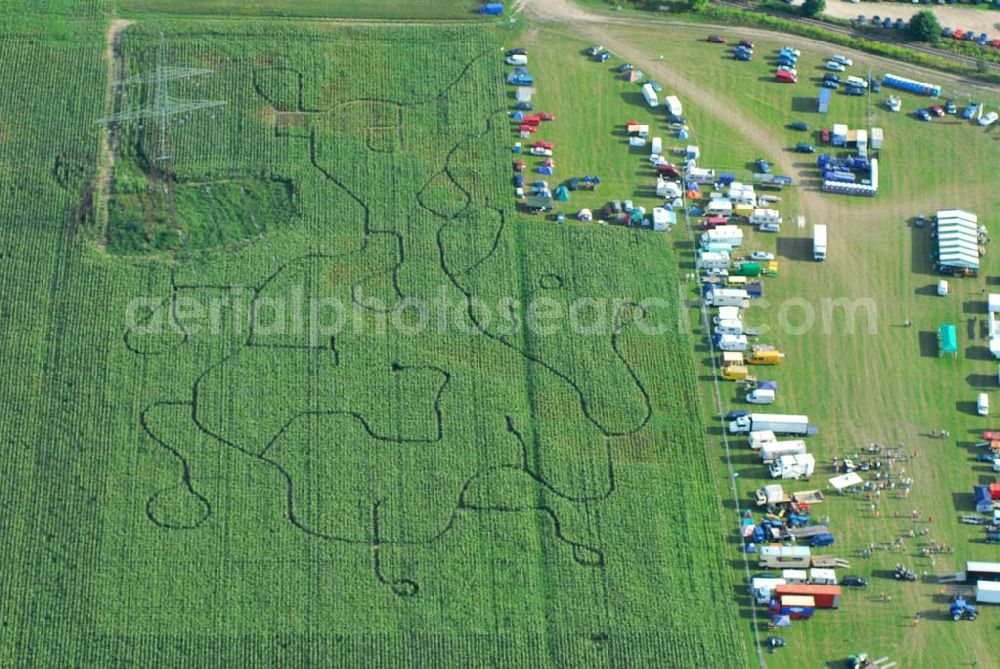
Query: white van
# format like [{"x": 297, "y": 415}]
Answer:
[
  {"x": 761, "y": 396},
  {"x": 517, "y": 59},
  {"x": 983, "y": 404},
  {"x": 857, "y": 81}
]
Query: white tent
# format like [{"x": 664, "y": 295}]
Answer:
[{"x": 845, "y": 481}]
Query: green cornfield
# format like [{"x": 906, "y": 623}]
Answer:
[{"x": 271, "y": 396}]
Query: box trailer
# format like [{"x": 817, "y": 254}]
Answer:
[
  {"x": 987, "y": 592},
  {"x": 794, "y": 576},
  {"x": 758, "y": 439},
  {"x": 728, "y": 342},
  {"x": 819, "y": 242},
  {"x": 728, "y": 314},
  {"x": 673, "y": 105},
  {"x": 762, "y": 216},
  {"x": 825, "y": 596},
  {"x": 793, "y": 466},
  {"x": 777, "y": 556},
  {"x": 982, "y": 571},
  {"x": 771, "y": 451},
  {"x": 733, "y": 326},
  {"x": 650, "y": 95},
  {"x": 778, "y": 423},
  {"x": 822, "y": 576}
]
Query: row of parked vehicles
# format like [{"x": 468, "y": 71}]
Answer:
[{"x": 970, "y": 36}]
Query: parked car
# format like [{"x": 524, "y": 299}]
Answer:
[
  {"x": 763, "y": 166},
  {"x": 876, "y": 21},
  {"x": 949, "y": 107},
  {"x": 830, "y": 76},
  {"x": 937, "y": 110},
  {"x": 887, "y": 23},
  {"x": 970, "y": 111},
  {"x": 746, "y": 43},
  {"x": 947, "y": 32},
  {"x": 761, "y": 255},
  {"x": 854, "y": 90},
  {"x": 516, "y": 52},
  {"x": 900, "y": 24},
  {"x": 843, "y": 60},
  {"x": 523, "y": 106},
  {"x": 594, "y": 50},
  {"x": 716, "y": 39},
  {"x": 875, "y": 84},
  {"x": 852, "y": 581},
  {"x": 628, "y": 205},
  {"x": 970, "y": 36},
  {"x": 824, "y": 135},
  {"x": 789, "y": 69},
  {"x": 989, "y": 119},
  {"x": 831, "y": 84},
  {"x": 736, "y": 413},
  {"x": 788, "y": 49},
  {"x": 626, "y": 67},
  {"x": 802, "y": 147},
  {"x": 786, "y": 60},
  {"x": 769, "y": 227},
  {"x": 923, "y": 115},
  {"x": 982, "y": 39},
  {"x": 985, "y": 457},
  {"x": 546, "y": 116},
  {"x": 616, "y": 206},
  {"x": 835, "y": 66},
  {"x": 742, "y": 55},
  {"x": 799, "y": 125},
  {"x": 603, "y": 56}
]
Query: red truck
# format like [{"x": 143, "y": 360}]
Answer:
[{"x": 826, "y": 596}]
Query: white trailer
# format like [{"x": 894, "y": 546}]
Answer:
[
  {"x": 732, "y": 343},
  {"x": 987, "y": 592},
  {"x": 656, "y": 146},
  {"x": 822, "y": 576},
  {"x": 762, "y": 216},
  {"x": 778, "y": 423},
  {"x": 700, "y": 175},
  {"x": 779, "y": 556},
  {"x": 727, "y": 314},
  {"x": 719, "y": 207},
  {"x": 727, "y": 297},
  {"x": 770, "y": 452},
  {"x": 819, "y": 242},
  {"x": 793, "y": 466},
  {"x": 673, "y": 105},
  {"x": 795, "y": 575},
  {"x": 732, "y": 326},
  {"x": 758, "y": 439},
  {"x": 650, "y": 95},
  {"x": 761, "y": 396},
  {"x": 667, "y": 189},
  {"x": 724, "y": 234},
  {"x": 712, "y": 260}
]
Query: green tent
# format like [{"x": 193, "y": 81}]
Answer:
[
  {"x": 947, "y": 339},
  {"x": 749, "y": 269},
  {"x": 562, "y": 193}
]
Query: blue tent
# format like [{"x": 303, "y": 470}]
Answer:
[
  {"x": 545, "y": 169},
  {"x": 517, "y": 116},
  {"x": 682, "y": 134},
  {"x": 492, "y": 9}
]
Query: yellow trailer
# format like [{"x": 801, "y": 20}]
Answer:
[
  {"x": 736, "y": 373},
  {"x": 730, "y": 358},
  {"x": 743, "y": 210}
]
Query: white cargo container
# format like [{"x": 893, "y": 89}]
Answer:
[
  {"x": 877, "y": 139},
  {"x": 988, "y": 592},
  {"x": 779, "y": 423},
  {"x": 760, "y": 396},
  {"x": 656, "y": 146}
]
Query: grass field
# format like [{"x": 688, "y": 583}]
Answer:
[
  {"x": 249, "y": 490},
  {"x": 887, "y": 386}
]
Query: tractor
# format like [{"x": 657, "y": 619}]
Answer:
[
  {"x": 901, "y": 573},
  {"x": 961, "y": 609}
]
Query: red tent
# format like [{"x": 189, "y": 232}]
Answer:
[{"x": 995, "y": 491}]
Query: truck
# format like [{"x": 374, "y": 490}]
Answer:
[
  {"x": 758, "y": 439},
  {"x": 736, "y": 372},
  {"x": 762, "y": 588},
  {"x": 760, "y": 396},
  {"x": 764, "y": 357},
  {"x": 774, "y": 495},
  {"x": 778, "y": 556},
  {"x": 723, "y": 234},
  {"x": 726, "y": 297},
  {"x": 793, "y": 466},
  {"x": 712, "y": 260},
  {"x": 819, "y": 243},
  {"x": 771, "y": 451},
  {"x": 825, "y": 596},
  {"x": 650, "y": 95},
  {"x": 987, "y": 592},
  {"x": 778, "y": 423}
]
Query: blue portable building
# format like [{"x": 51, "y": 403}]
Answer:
[
  {"x": 912, "y": 86},
  {"x": 492, "y": 9}
]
